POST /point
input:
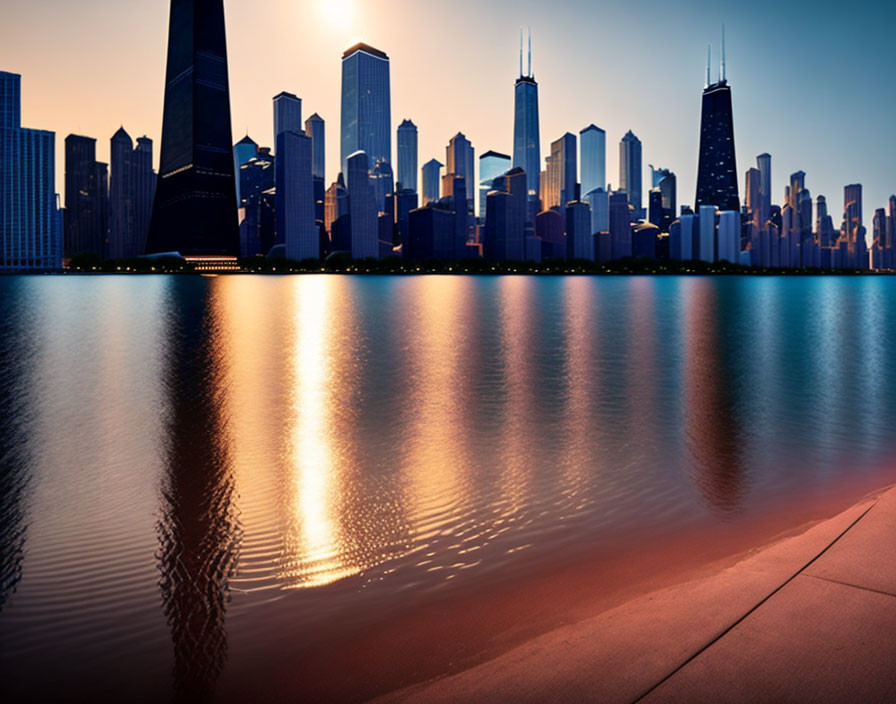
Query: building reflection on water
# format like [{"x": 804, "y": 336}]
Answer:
[
  {"x": 16, "y": 355},
  {"x": 199, "y": 532},
  {"x": 714, "y": 432}
]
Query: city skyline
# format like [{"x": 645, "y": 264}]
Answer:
[{"x": 673, "y": 75}]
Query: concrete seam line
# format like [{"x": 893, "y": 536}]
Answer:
[
  {"x": 749, "y": 613},
  {"x": 847, "y": 584}
]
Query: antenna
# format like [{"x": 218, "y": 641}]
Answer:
[
  {"x": 530, "y": 52},
  {"x": 708, "y": 62},
  {"x": 724, "y": 72},
  {"x": 521, "y": 52}
]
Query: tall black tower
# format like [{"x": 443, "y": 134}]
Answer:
[
  {"x": 195, "y": 204},
  {"x": 717, "y": 167}
]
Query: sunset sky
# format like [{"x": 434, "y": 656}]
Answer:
[{"x": 812, "y": 84}]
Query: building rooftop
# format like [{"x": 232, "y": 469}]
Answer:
[
  {"x": 284, "y": 94},
  {"x": 367, "y": 49},
  {"x": 247, "y": 140},
  {"x": 497, "y": 155},
  {"x": 592, "y": 128}
]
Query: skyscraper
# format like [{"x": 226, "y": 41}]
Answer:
[
  {"x": 85, "y": 196},
  {"x": 460, "y": 161},
  {"x": 853, "y": 227},
  {"x": 764, "y": 164},
  {"x": 195, "y": 203},
  {"x": 296, "y": 226},
  {"x": 315, "y": 129},
  {"x": 121, "y": 197},
  {"x": 366, "y": 105},
  {"x": 432, "y": 178},
  {"x": 717, "y": 164},
  {"x": 243, "y": 150},
  {"x": 287, "y": 114},
  {"x": 593, "y": 154},
  {"x": 362, "y": 207},
  {"x": 579, "y": 238},
  {"x": 526, "y": 135},
  {"x": 491, "y": 165},
  {"x": 630, "y": 174},
  {"x": 143, "y": 183},
  {"x": 29, "y": 233},
  {"x": 407, "y": 155},
  {"x": 620, "y": 226},
  {"x": 562, "y": 174}
]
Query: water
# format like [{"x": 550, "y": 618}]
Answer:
[{"x": 203, "y": 476}]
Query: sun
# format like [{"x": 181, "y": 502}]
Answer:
[{"x": 337, "y": 13}]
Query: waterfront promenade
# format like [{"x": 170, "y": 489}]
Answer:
[{"x": 810, "y": 618}]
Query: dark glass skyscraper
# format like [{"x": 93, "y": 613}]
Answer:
[
  {"x": 717, "y": 165},
  {"x": 407, "y": 155},
  {"x": 526, "y": 136},
  {"x": 195, "y": 203}
]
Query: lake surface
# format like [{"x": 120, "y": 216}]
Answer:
[{"x": 202, "y": 474}]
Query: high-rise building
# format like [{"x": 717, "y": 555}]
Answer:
[
  {"x": 143, "y": 183},
  {"x": 620, "y": 226},
  {"x": 706, "y": 238},
  {"x": 296, "y": 227},
  {"x": 853, "y": 230},
  {"x": 120, "y": 194},
  {"x": 362, "y": 208},
  {"x": 491, "y": 165},
  {"x": 30, "y": 238},
  {"x": 257, "y": 230},
  {"x": 383, "y": 185},
  {"x": 593, "y": 155},
  {"x": 85, "y": 198},
  {"x": 195, "y": 202},
  {"x": 630, "y": 173},
  {"x": 717, "y": 164},
  {"x": 460, "y": 162},
  {"x": 562, "y": 173},
  {"x": 667, "y": 184},
  {"x": 599, "y": 200},
  {"x": 315, "y": 128},
  {"x": 366, "y": 106},
  {"x": 764, "y": 164},
  {"x": 729, "y": 237},
  {"x": 407, "y": 155},
  {"x": 243, "y": 150},
  {"x": 526, "y": 135},
  {"x": 287, "y": 114},
  {"x": 432, "y": 179},
  {"x": 505, "y": 224},
  {"x": 579, "y": 238}
]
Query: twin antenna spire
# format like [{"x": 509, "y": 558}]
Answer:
[
  {"x": 724, "y": 69},
  {"x": 529, "y": 74}
]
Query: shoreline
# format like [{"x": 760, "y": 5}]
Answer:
[
  {"x": 662, "y": 645},
  {"x": 418, "y": 647}
]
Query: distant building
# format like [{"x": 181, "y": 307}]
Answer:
[
  {"x": 620, "y": 226},
  {"x": 366, "y": 106},
  {"x": 853, "y": 229},
  {"x": 406, "y": 200},
  {"x": 30, "y": 236},
  {"x": 491, "y": 165},
  {"x": 550, "y": 227},
  {"x": 315, "y": 129},
  {"x": 296, "y": 227},
  {"x": 630, "y": 172},
  {"x": 86, "y": 200},
  {"x": 362, "y": 208},
  {"x": 407, "y": 155},
  {"x": 258, "y": 205},
  {"x": 526, "y": 135},
  {"x": 460, "y": 163},
  {"x": 729, "y": 237},
  {"x": 593, "y": 158},
  {"x": 432, "y": 179},
  {"x": 287, "y": 114},
  {"x": 599, "y": 200},
  {"x": 562, "y": 174},
  {"x": 383, "y": 182},
  {"x": 717, "y": 163},
  {"x": 243, "y": 150},
  {"x": 579, "y": 238},
  {"x": 706, "y": 239},
  {"x": 505, "y": 225},
  {"x": 131, "y": 190}
]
